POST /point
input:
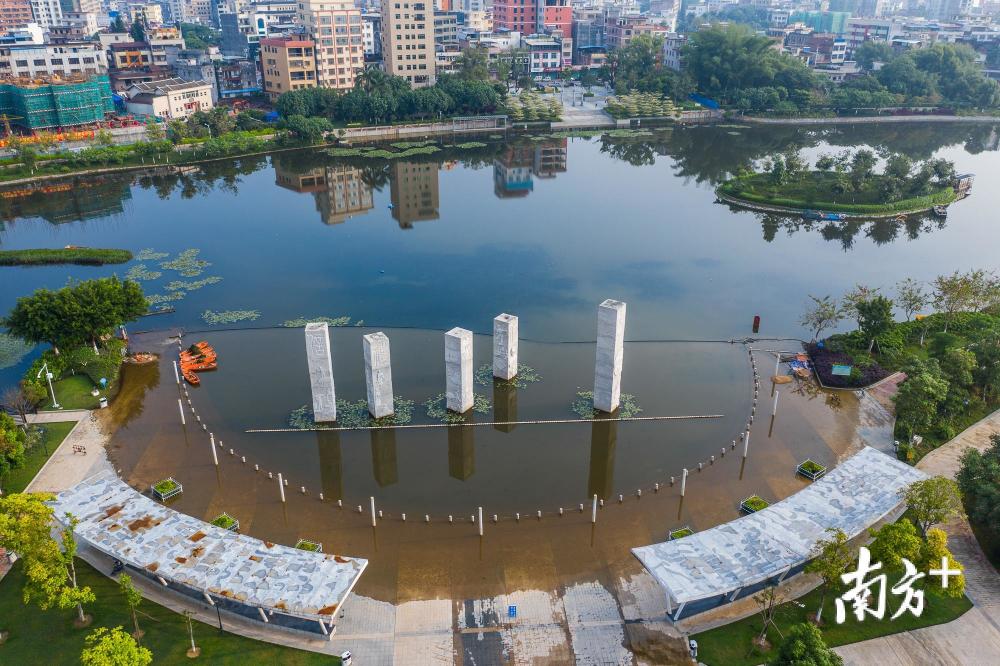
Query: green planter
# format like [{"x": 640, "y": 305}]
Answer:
[
  {"x": 167, "y": 488},
  {"x": 810, "y": 469},
  {"x": 311, "y": 546},
  {"x": 679, "y": 533},
  {"x": 753, "y": 504},
  {"x": 226, "y": 522}
]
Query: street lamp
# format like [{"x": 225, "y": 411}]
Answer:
[{"x": 48, "y": 376}]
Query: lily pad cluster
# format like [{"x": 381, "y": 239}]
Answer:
[
  {"x": 437, "y": 410},
  {"x": 331, "y": 321},
  {"x": 353, "y": 415},
  {"x": 583, "y": 406},
  {"x": 181, "y": 285},
  {"x": 149, "y": 254},
  {"x": 213, "y": 318},
  {"x": 525, "y": 375},
  {"x": 140, "y": 273},
  {"x": 187, "y": 263}
]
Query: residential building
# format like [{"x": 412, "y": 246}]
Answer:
[
  {"x": 861, "y": 30},
  {"x": 52, "y": 60},
  {"x": 123, "y": 79},
  {"x": 533, "y": 16},
  {"x": 621, "y": 28},
  {"x": 860, "y": 8},
  {"x": 169, "y": 99},
  {"x": 151, "y": 14},
  {"x": 236, "y": 77},
  {"x": 32, "y": 34},
  {"x": 371, "y": 33},
  {"x": 445, "y": 29},
  {"x": 476, "y": 21},
  {"x": 193, "y": 65},
  {"x": 831, "y": 22},
  {"x": 408, "y": 41},
  {"x": 47, "y": 12},
  {"x": 546, "y": 54},
  {"x": 335, "y": 27},
  {"x": 816, "y": 49},
  {"x": 287, "y": 63},
  {"x": 413, "y": 191},
  {"x": 197, "y": 11},
  {"x": 673, "y": 47},
  {"x": 15, "y": 14}
]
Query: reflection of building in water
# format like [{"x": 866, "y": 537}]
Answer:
[
  {"x": 504, "y": 405},
  {"x": 384, "y": 457},
  {"x": 330, "y": 464},
  {"x": 514, "y": 167},
  {"x": 339, "y": 191},
  {"x": 461, "y": 453},
  {"x": 603, "y": 440},
  {"x": 68, "y": 201},
  {"x": 413, "y": 188}
]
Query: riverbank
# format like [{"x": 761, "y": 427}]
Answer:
[
  {"x": 87, "y": 256},
  {"x": 845, "y": 120}
]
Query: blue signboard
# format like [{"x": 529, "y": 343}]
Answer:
[{"x": 511, "y": 611}]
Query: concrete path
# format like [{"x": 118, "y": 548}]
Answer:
[
  {"x": 66, "y": 467},
  {"x": 973, "y": 638}
]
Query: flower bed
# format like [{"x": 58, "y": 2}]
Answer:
[
  {"x": 226, "y": 522},
  {"x": 311, "y": 546},
  {"x": 810, "y": 469},
  {"x": 167, "y": 488},
  {"x": 679, "y": 533},
  {"x": 824, "y": 359},
  {"x": 753, "y": 504}
]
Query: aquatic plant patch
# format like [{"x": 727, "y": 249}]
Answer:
[
  {"x": 141, "y": 273},
  {"x": 437, "y": 410},
  {"x": 353, "y": 415},
  {"x": 525, "y": 375},
  {"x": 186, "y": 263},
  {"x": 181, "y": 285},
  {"x": 149, "y": 254},
  {"x": 213, "y": 318},
  {"x": 583, "y": 406},
  {"x": 12, "y": 350},
  {"x": 332, "y": 321},
  {"x": 159, "y": 299},
  {"x": 405, "y": 145},
  {"x": 468, "y": 145}
]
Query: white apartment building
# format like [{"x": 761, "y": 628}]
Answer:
[
  {"x": 47, "y": 12},
  {"x": 46, "y": 60},
  {"x": 336, "y": 27},
  {"x": 408, "y": 40}
]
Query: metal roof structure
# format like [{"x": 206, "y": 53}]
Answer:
[
  {"x": 767, "y": 544},
  {"x": 164, "y": 86},
  {"x": 122, "y": 523}
]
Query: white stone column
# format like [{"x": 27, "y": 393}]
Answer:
[
  {"x": 505, "y": 346},
  {"x": 378, "y": 374},
  {"x": 610, "y": 353},
  {"x": 458, "y": 369},
  {"x": 321, "y": 372}
]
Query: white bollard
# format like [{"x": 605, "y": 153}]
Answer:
[
  {"x": 177, "y": 375},
  {"x": 215, "y": 456},
  {"x": 684, "y": 479},
  {"x": 480, "y": 521},
  {"x": 746, "y": 444},
  {"x": 281, "y": 486},
  {"x": 372, "y": 501},
  {"x": 774, "y": 410},
  {"x": 593, "y": 511},
  {"x": 179, "y": 404}
]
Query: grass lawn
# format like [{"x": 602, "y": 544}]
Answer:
[
  {"x": 73, "y": 392},
  {"x": 48, "y": 637},
  {"x": 730, "y": 645},
  {"x": 55, "y": 433}
]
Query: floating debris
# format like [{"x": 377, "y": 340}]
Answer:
[
  {"x": 213, "y": 318},
  {"x": 436, "y": 408},
  {"x": 583, "y": 406},
  {"x": 525, "y": 375}
]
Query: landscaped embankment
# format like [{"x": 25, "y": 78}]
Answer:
[{"x": 91, "y": 256}]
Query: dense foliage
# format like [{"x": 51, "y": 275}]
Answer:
[
  {"x": 638, "y": 67},
  {"x": 69, "y": 255},
  {"x": 198, "y": 36},
  {"x": 979, "y": 480},
  {"x": 378, "y": 97}
]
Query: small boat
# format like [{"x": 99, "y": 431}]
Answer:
[
  {"x": 820, "y": 215},
  {"x": 199, "y": 357},
  {"x": 191, "y": 378},
  {"x": 941, "y": 211}
]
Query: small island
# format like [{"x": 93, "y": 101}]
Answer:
[{"x": 846, "y": 186}]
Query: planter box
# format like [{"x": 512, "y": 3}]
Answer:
[
  {"x": 311, "y": 546},
  {"x": 167, "y": 488},
  {"x": 753, "y": 504},
  {"x": 810, "y": 469},
  {"x": 679, "y": 533},
  {"x": 226, "y": 522}
]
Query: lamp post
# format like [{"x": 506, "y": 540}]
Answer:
[{"x": 48, "y": 376}]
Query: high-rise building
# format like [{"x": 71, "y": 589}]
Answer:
[
  {"x": 15, "y": 14},
  {"x": 530, "y": 17},
  {"x": 336, "y": 28},
  {"x": 408, "y": 40},
  {"x": 47, "y": 12},
  {"x": 287, "y": 63}
]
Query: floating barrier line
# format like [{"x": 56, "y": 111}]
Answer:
[{"x": 490, "y": 423}]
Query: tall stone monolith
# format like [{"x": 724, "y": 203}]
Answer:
[
  {"x": 505, "y": 346},
  {"x": 320, "y": 360},
  {"x": 378, "y": 374},
  {"x": 458, "y": 370},
  {"x": 610, "y": 354}
]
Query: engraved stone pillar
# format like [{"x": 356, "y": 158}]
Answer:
[
  {"x": 505, "y": 346},
  {"x": 610, "y": 353},
  {"x": 378, "y": 374},
  {"x": 458, "y": 370},
  {"x": 321, "y": 372}
]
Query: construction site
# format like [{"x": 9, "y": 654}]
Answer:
[{"x": 55, "y": 103}]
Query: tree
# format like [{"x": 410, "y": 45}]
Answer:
[
  {"x": 952, "y": 293},
  {"x": 310, "y": 130},
  {"x": 830, "y": 558},
  {"x": 823, "y": 314},
  {"x": 138, "y": 30},
  {"x": 132, "y": 600},
  {"x": 979, "y": 480},
  {"x": 910, "y": 296},
  {"x": 154, "y": 130},
  {"x": 862, "y": 165},
  {"x": 11, "y": 446},
  {"x": 118, "y": 25},
  {"x": 895, "y": 541},
  {"x": 18, "y": 400},
  {"x": 473, "y": 64},
  {"x": 860, "y": 294},
  {"x": 874, "y": 317},
  {"x": 934, "y": 552},
  {"x": 804, "y": 646},
  {"x": 113, "y": 647},
  {"x": 920, "y": 395},
  {"x": 933, "y": 501},
  {"x": 767, "y": 602}
]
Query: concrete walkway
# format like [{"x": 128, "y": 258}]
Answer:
[
  {"x": 66, "y": 467},
  {"x": 973, "y": 638}
]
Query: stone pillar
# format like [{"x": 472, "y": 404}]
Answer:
[
  {"x": 505, "y": 346},
  {"x": 321, "y": 372},
  {"x": 610, "y": 353},
  {"x": 458, "y": 370},
  {"x": 378, "y": 374}
]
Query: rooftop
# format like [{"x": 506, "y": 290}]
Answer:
[
  {"x": 163, "y": 86},
  {"x": 123, "y": 523},
  {"x": 854, "y": 496}
]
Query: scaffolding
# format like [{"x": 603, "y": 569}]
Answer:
[{"x": 56, "y": 103}]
